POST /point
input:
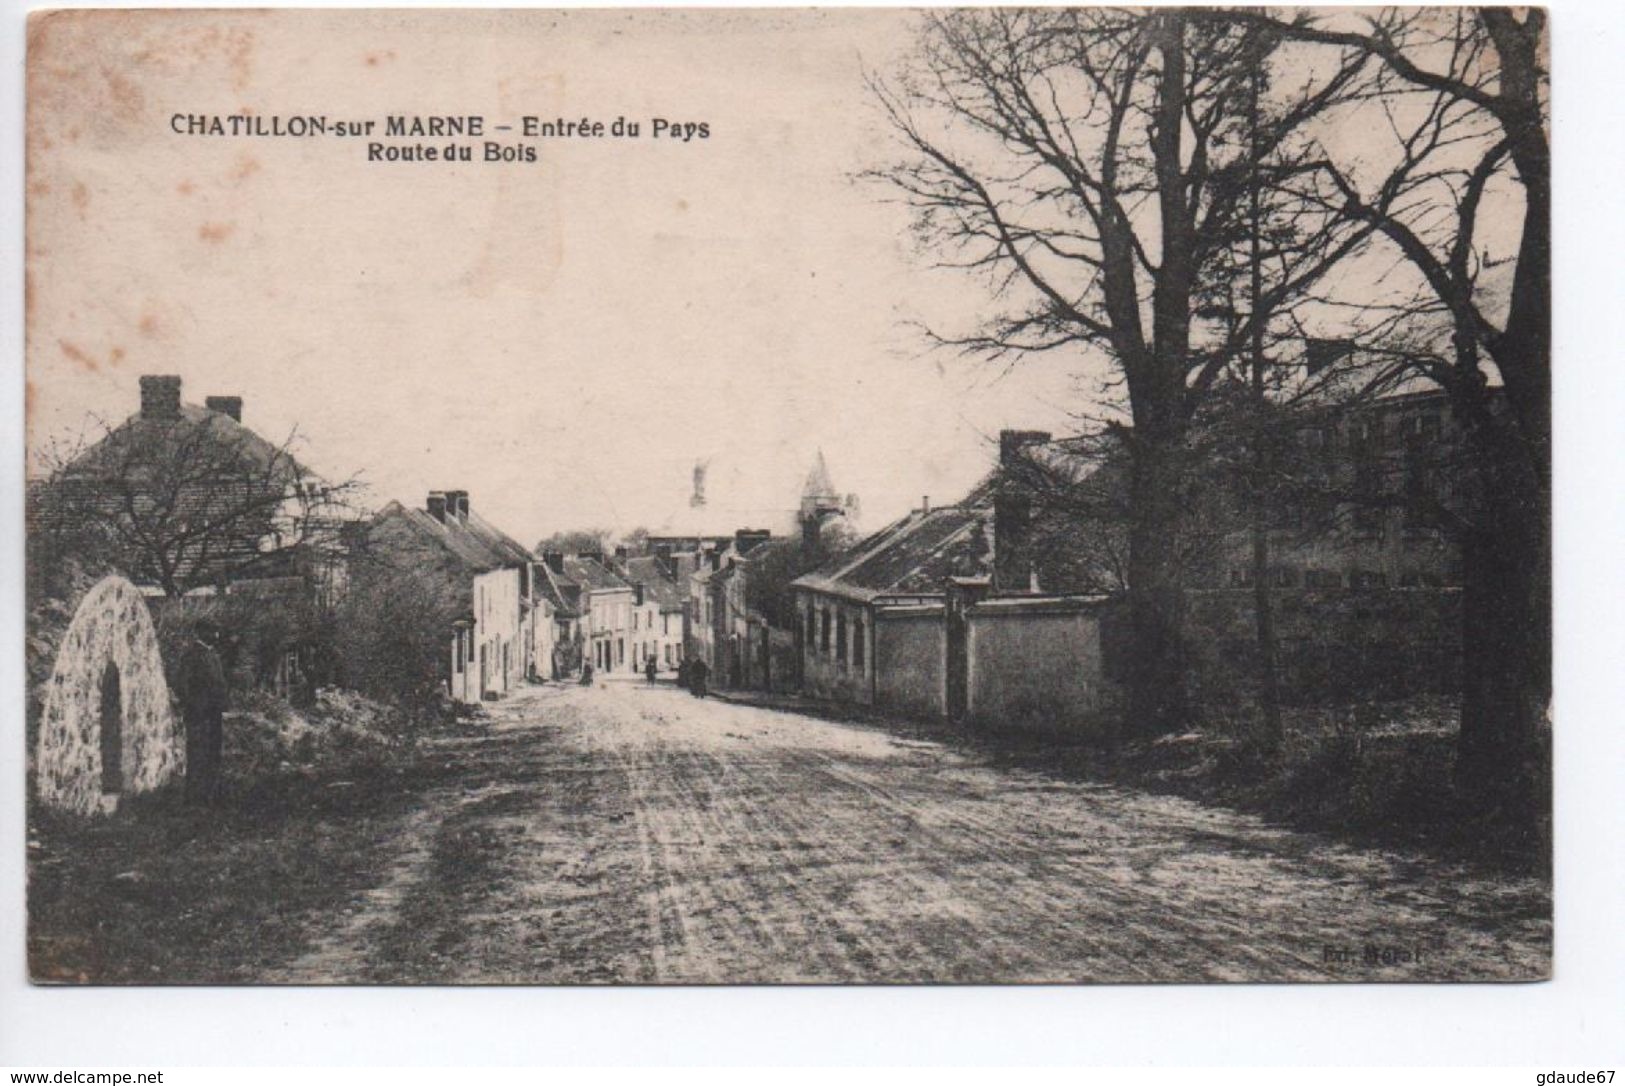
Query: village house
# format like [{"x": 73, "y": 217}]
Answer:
[
  {"x": 557, "y": 632},
  {"x": 605, "y": 604},
  {"x": 190, "y": 504},
  {"x": 953, "y": 612},
  {"x": 723, "y": 627},
  {"x": 490, "y": 648},
  {"x": 657, "y": 622}
]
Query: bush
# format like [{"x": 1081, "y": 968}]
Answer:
[{"x": 392, "y": 635}]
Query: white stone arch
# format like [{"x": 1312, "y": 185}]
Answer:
[{"x": 112, "y": 625}]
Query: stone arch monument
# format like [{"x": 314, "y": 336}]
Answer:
[{"x": 106, "y": 729}]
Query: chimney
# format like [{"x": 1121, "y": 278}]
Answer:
[
  {"x": 716, "y": 559},
  {"x": 555, "y": 561},
  {"x": 160, "y": 396},
  {"x": 621, "y": 553},
  {"x": 457, "y": 503},
  {"x": 1012, "y": 540},
  {"x": 663, "y": 558},
  {"x": 231, "y": 406},
  {"x": 925, "y": 503},
  {"x": 637, "y": 593},
  {"x": 436, "y": 505},
  {"x": 1011, "y": 442}
]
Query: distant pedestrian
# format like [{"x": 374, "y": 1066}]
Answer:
[
  {"x": 201, "y": 686},
  {"x": 649, "y": 669},
  {"x": 697, "y": 674},
  {"x": 586, "y": 673}
]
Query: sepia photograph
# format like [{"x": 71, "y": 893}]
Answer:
[{"x": 800, "y": 496}]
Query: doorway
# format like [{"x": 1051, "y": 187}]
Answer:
[{"x": 112, "y": 730}]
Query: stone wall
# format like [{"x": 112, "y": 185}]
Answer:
[
  {"x": 910, "y": 650},
  {"x": 1035, "y": 664}
]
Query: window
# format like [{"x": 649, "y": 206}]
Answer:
[
  {"x": 812, "y": 624},
  {"x": 840, "y": 636},
  {"x": 823, "y": 630},
  {"x": 857, "y": 644}
]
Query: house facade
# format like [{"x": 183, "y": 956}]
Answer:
[
  {"x": 605, "y": 606},
  {"x": 657, "y": 627},
  {"x": 487, "y": 577}
]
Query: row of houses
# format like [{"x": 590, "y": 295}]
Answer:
[
  {"x": 1005, "y": 607},
  {"x": 1001, "y": 606}
]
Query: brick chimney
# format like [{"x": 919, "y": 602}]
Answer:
[
  {"x": 1012, "y": 540},
  {"x": 637, "y": 593},
  {"x": 1012, "y": 442},
  {"x": 555, "y": 561},
  {"x": 457, "y": 503},
  {"x": 436, "y": 505},
  {"x": 160, "y": 396},
  {"x": 1012, "y": 516},
  {"x": 230, "y": 406}
]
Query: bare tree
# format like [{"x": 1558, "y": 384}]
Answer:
[
  {"x": 1094, "y": 166},
  {"x": 1464, "y": 93},
  {"x": 186, "y": 502}
]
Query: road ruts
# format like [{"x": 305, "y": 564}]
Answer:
[{"x": 638, "y": 835}]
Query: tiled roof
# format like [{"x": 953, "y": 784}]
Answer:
[
  {"x": 649, "y": 572},
  {"x": 474, "y": 543},
  {"x": 563, "y": 593},
  {"x": 591, "y": 574},
  {"x": 912, "y": 556}
]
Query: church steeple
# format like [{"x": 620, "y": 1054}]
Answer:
[{"x": 818, "y": 490}]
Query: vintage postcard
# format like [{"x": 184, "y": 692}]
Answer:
[{"x": 847, "y": 496}]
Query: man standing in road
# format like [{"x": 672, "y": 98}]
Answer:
[
  {"x": 697, "y": 673},
  {"x": 649, "y": 669},
  {"x": 201, "y": 686}
]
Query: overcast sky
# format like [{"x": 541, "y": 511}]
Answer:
[{"x": 562, "y": 339}]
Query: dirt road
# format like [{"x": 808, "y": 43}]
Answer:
[{"x": 628, "y": 834}]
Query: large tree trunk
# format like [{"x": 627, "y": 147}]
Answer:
[
  {"x": 1506, "y": 643},
  {"x": 1156, "y": 598}
]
